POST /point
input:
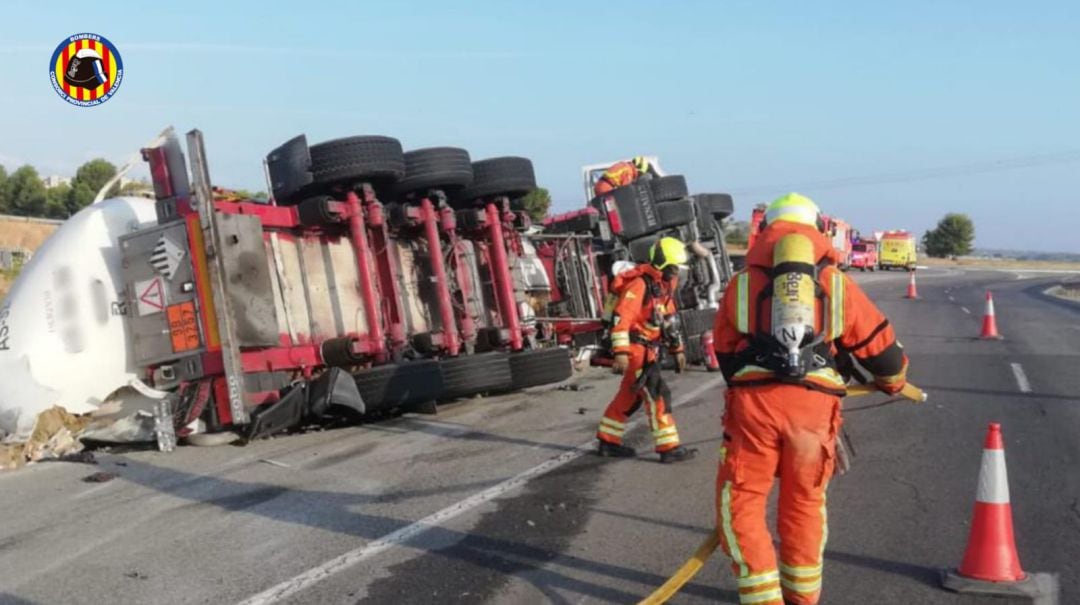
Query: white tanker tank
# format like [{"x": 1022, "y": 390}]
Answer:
[{"x": 63, "y": 339}]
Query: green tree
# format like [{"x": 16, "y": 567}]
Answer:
[
  {"x": 953, "y": 236},
  {"x": 89, "y": 179},
  {"x": 258, "y": 196},
  {"x": 537, "y": 203},
  {"x": 24, "y": 193},
  {"x": 56, "y": 199},
  {"x": 3, "y": 200},
  {"x": 139, "y": 187}
]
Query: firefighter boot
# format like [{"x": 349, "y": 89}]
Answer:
[
  {"x": 612, "y": 450},
  {"x": 678, "y": 454}
]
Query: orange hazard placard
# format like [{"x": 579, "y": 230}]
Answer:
[{"x": 183, "y": 327}]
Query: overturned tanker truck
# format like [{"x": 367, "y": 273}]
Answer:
[{"x": 376, "y": 280}]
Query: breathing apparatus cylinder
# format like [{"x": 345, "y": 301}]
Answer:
[{"x": 793, "y": 301}]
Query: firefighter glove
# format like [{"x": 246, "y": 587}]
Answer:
[
  {"x": 621, "y": 363},
  {"x": 891, "y": 385}
]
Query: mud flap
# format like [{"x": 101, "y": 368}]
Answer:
[
  {"x": 336, "y": 388},
  {"x": 275, "y": 417}
]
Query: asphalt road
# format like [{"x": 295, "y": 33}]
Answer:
[{"x": 497, "y": 501}]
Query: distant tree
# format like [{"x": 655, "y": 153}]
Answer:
[
  {"x": 89, "y": 179},
  {"x": 537, "y": 203},
  {"x": 737, "y": 233},
  {"x": 56, "y": 199},
  {"x": 258, "y": 196},
  {"x": 24, "y": 193},
  {"x": 953, "y": 236},
  {"x": 3, "y": 200}
]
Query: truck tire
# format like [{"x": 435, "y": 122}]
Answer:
[
  {"x": 446, "y": 168},
  {"x": 640, "y": 247},
  {"x": 470, "y": 375},
  {"x": 719, "y": 205},
  {"x": 667, "y": 188},
  {"x": 390, "y": 386},
  {"x": 356, "y": 159},
  {"x": 675, "y": 213},
  {"x": 315, "y": 212},
  {"x": 535, "y": 367},
  {"x": 510, "y": 176}
]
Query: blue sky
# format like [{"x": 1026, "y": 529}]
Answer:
[{"x": 752, "y": 97}]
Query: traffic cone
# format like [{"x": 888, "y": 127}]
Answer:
[
  {"x": 991, "y": 564},
  {"x": 912, "y": 291},
  {"x": 989, "y": 326}
]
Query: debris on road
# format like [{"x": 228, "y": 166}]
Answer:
[{"x": 100, "y": 477}]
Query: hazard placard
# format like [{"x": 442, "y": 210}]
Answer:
[
  {"x": 183, "y": 327},
  {"x": 150, "y": 296}
]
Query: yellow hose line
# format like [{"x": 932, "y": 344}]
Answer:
[
  {"x": 685, "y": 573},
  {"x": 909, "y": 391}
]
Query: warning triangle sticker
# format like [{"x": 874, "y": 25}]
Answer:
[{"x": 152, "y": 298}]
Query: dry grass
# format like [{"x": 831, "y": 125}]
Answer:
[
  {"x": 5, "y": 283},
  {"x": 1001, "y": 263},
  {"x": 18, "y": 234}
]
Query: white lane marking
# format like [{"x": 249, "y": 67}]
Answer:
[
  {"x": 1021, "y": 378},
  {"x": 378, "y": 546},
  {"x": 951, "y": 298},
  {"x": 966, "y": 310}
]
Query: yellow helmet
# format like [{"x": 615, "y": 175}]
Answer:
[
  {"x": 794, "y": 208},
  {"x": 641, "y": 163},
  {"x": 668, "y": 252}
]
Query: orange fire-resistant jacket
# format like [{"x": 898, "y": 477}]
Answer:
[
  {"x": 620, "y": 174},
  {"x": 852, "y": 323},
  {"x": 638, "y": 308}
]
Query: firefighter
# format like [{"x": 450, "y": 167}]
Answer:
[
  {"x": 784, "y": 321},
  {"x": 621, "y": 174},
  {"x": 643, "y": 321}
]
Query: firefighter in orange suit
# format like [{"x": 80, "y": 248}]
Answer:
[
  {"x": 644, "y": 320},
  {"x": 621, "y": 174},
  {"x": 785, "y": 321}
]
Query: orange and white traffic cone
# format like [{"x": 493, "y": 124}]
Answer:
[
  {"x": 991, "y": 564},
  {"x": 912, "y": 291},
  {"x": 989, "y": 326}
]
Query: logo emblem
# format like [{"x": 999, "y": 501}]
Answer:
[{"x": 86, "y": 70}]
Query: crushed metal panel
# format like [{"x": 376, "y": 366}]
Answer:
[{"x": 247, "y": 275}]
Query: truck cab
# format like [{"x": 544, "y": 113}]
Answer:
[
  {"x": 898, "y": 250},
  {"x": 864, "y": 255}
]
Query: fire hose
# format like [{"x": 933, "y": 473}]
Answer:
[{"x": 694, "y": 564}]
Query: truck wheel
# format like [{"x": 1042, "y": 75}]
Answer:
[
  {"x": 719, "y": 205},
  {"x": 640, "y": 247},
  {"x": 469, "y": 375},
  {"x": 510, "y": 176},
  {"x": 355, "y": 159},
  {"x": 446, "y": 168},
  {"x": 315, "y": 211},
  {"x": 667, "y": 188},
  {"x": 675, "y": 213},
  {"x": 535, "y": 367},
  {"x": 395, "y": 385}
]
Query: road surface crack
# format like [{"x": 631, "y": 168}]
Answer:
[{"x": 918, "y": 494}]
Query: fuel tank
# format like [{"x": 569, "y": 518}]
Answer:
[{"x": 63, "y": 339}]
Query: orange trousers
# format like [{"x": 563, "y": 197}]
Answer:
[
  {"x": 629, "y": 398},
  {"x": 785, "y": 431}
]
